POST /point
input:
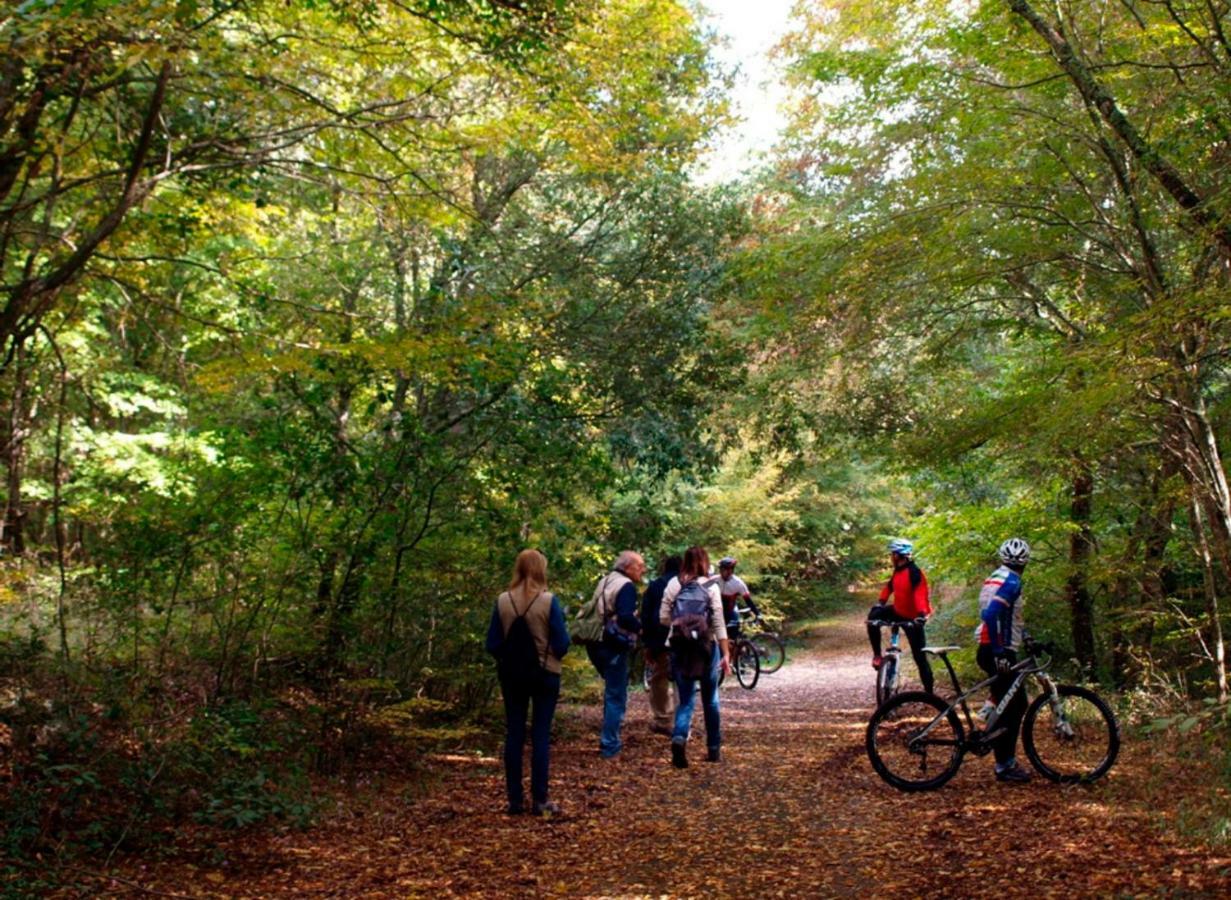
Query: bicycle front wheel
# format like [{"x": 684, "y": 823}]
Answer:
[
  {"x": 887, "y": 680},
  {"x": 913, "y": 744},
  {"x": 772, "y": 650},
  {"x": 747, "y": 664},
  {"x": 1073, "y": 741}
]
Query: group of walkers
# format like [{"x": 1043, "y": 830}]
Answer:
[
  {"x": 999, "y": 634},
  {"x": 685, "y": 621}
]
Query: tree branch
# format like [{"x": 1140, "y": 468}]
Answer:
[{"x": 1101, "y": 99}]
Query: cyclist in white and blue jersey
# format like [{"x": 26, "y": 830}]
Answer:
[{"x": 1000, "y": 634}]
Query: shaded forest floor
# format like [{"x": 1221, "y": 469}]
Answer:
[{"x": 793, "y": 809}]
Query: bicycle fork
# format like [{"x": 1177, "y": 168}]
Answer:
[{"x": 1060, "y": 721}]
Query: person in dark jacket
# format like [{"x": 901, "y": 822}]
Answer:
[
  {"x": 654, "y": 637},
  {"x": 527, "y": 598},
  {"x": 616, "y": 594}
]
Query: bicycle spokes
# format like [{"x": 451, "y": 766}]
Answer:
[
  {"x": 911, "y": 747},
  {"x": 1071, "y": 736}
]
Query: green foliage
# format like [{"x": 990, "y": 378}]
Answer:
[
  {"x": 246, "y": 767},
  {"x": 963, "y": 266},
  {"x": 366, "y": 297}
]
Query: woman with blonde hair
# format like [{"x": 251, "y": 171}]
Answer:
[{"x": 528, "y": 637}]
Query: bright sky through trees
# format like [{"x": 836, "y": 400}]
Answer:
[{"x": 749, "y": 30}]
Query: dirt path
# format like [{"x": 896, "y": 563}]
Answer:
[{"x": 793, "y": 809}]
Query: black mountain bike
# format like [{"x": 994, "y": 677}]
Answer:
[{"x": 916, "y": 741}]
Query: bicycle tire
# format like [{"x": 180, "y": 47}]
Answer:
[
  {"x": 747, "y": 665},
  {"x": 889, "y": 734},
  {"x": 772, "y": 649},
  {"x": 1088, "y": 740},
  {"x": 887, "y": 680}
]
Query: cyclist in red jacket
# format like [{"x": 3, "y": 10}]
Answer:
[{"x": 909, "y": 588}]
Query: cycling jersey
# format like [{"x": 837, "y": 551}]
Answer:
[
  {"x": 909, "y": 588},
  {"x": 1000, "y": 608},
  {"x": 732, "y": 589}
]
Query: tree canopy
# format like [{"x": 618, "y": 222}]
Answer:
[{"x": 313, "y": 314}]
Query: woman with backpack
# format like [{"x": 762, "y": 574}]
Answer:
[
  {"x": 692, "y": 607},
  {"x": 528, "y": 637}
]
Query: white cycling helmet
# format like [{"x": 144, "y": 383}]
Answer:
[
  {"x": 1015, "y": 552},
  {"x": 901, "y": 547}
]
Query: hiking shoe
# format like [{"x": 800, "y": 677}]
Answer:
[
  {"x": 679, "y": 759},
  {"x": 546, "y": 808},
  {"x": 662, "y": 729},
  {"x": 515, "y": 809},
  {"x": 714, "y": 754},
  {"x": 1014, "y": 774},
  {"x": 876, "y": 662}
]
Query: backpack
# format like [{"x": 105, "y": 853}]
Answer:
[
  {"x": 518, "y": 661},
  {"x": 591, "y": 620},
  {"x": 690, "y": 630}
]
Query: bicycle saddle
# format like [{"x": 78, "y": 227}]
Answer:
[{"x": 939, "y": 651}]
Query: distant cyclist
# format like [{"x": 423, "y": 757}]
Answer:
[
  {"x": 734, "y": 592},
  {"x": 999, "y": 636},
  {"x": 909, "y": 589}
]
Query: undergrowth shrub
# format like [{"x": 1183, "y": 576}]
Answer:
[
  {"x": 250, "y": 765},
  {"x": 83, "y": 785}
]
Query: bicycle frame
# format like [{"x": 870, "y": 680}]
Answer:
[
  {"x": 895, "y": 647},
  {"x": 979, "y": 740}
]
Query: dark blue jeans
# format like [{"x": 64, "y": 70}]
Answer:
[
  {"x": 709, "y": 705},
  {"x": 517, "y": 703}
]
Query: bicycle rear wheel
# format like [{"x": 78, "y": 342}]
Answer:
[
  {"x": 747, "y": 664},
  {"x": 887, "y": 680},
  {"x": 772, "y": 650},
  {"x": 902, "y": 754},
  {"x": 1074, "y": 744}
]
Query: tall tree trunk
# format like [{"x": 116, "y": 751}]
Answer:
[
  {"x": 1196, "y": 446},
  {"x": 16, "y": 424},
  {"x": 1081, "y": 543},
  {"x": 1138, "y": 589},
  {"x": 1217, "y": 649}
]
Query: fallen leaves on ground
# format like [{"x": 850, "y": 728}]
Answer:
[{"x": 793, "y": 809}]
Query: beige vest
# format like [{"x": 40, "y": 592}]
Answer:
[
  {"x": 605, "y": 593},
  {"x": 538, "y": 620}
]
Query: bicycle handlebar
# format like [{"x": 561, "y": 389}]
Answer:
[{"x": 1031, "y": 646}]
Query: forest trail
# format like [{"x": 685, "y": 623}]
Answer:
[{"x": 794, "y": 809}]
